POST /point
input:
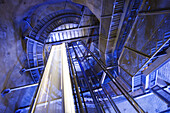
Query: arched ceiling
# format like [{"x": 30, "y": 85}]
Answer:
[
  {"x": 40, "y": 33},
  {"x": 18, "y": 19}
]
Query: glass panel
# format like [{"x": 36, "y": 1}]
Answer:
[
  {"x": 55, "y": 88},
  {"x": 50, "y": 89}
]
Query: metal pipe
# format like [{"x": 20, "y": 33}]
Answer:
[
  {"x": 97, "y": 79},
  {"x": 156, "y": 12},
  {"x": 117, "y": 84},
  {"x": 113, "y": 89},
  {"x": 79, "y": 86},
  {"x": 113, "y": 105},
  {"x": 9, "y": 90},
  {"x": 72, "y": 83},
  {"x": 111, "y": 101},
  {"x": 89, "y": 86},
  {"x": 98, "y": 93},
  {"x": 138, "y": 52},
  {"x": 75, "y": 81}
]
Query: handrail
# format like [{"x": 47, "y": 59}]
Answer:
[
  {"x": 75, "y": 81},
  {"x": 117, "y": 84}
]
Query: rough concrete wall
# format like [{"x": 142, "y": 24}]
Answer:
[
  {"x": 94, "y": 5},
  {"x": 12, "y": 49},
  {"x": 101, "y": 8},
  {"x": 12, "y": 57},
  {"x": 46, "y": 9}
]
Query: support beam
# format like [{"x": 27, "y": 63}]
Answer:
[
  {"x": 28, "y": 23},
  {"x": 74, "y": 29},
  {"x": 111, "y": 100},
  {"x": 117, "y": 84},
  {"x": 88, "y": 84},
  {"x": 79, "y": 84},
  {"x": 154, "y": 12},
  {"x": 106, "y": 93},
  {"x": 138, "y": 52},
  {"x": 82, "y": 15},
  {"x": 35, "y": 41},
  {"x": 111, "y": 15},
  {"x": 71, "y": 40},
  {"x": 98, "y": 90},
  {"x": 34, "y": 68},
  {"x": 131, "y": 30},
  {"x": 74, "y": 95},
  {"x": 125, "y": 71},
  {"x": 9, "y": 90},
  {"x": 75, "y": 81}
]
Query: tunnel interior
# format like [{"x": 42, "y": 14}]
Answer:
[{"x": 116, "y": 53}]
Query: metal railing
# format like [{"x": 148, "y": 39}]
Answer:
[{"x": 116, "y": 83}]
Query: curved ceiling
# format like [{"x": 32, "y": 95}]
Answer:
[{"x": 60, "y": 20}]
